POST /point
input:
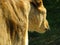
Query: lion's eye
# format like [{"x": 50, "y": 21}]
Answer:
[{"x": 39, "y": 4}]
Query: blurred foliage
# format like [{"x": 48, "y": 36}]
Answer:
[{"x": 51, "y": 37}]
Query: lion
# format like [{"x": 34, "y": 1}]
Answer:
[
  {"x": 17, "y": 17},
  {"x": 37, "y": 17}
]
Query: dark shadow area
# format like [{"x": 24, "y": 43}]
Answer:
[{"x": 51, "y": 37}]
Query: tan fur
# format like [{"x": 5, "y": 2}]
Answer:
[
  {"x": 17, "y": 16},
  {"x": 14, "y": 16}
]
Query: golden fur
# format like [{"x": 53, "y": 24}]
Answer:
[
  {"x": 14, "y": 13},
  {"x": 17, "y": 16}
]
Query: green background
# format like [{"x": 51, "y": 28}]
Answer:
[{"x": 51, "y": 37}]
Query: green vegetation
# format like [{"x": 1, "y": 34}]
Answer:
[{"x": 51, "y": 37}]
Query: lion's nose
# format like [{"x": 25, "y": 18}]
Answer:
[
  {"x": 46, "y": 25},
  {"x": 48, "y": 28}
]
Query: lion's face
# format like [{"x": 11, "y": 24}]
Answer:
[{"x": 37, "y": 17}]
